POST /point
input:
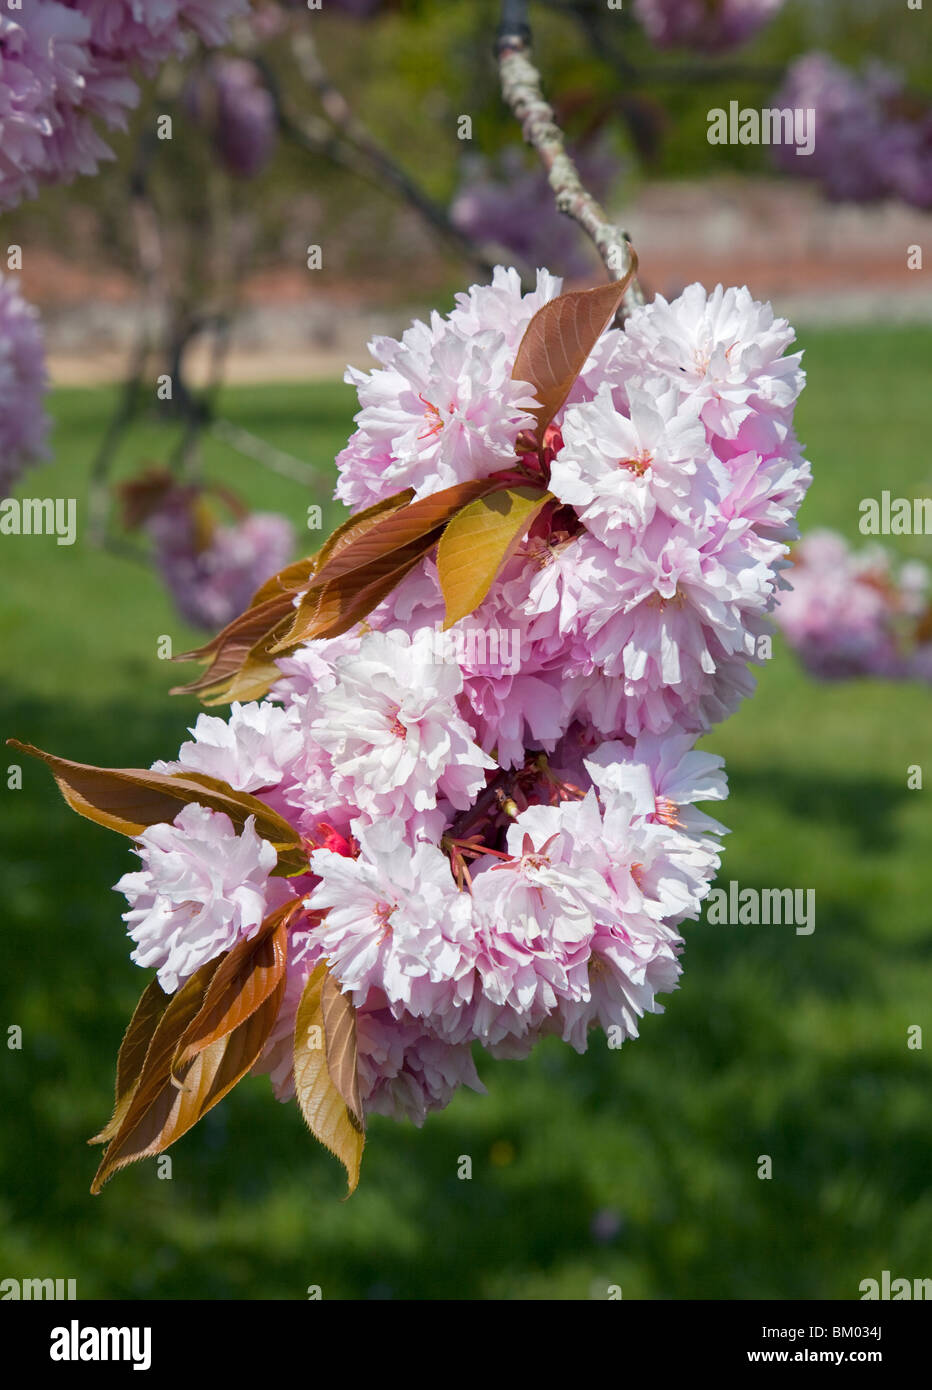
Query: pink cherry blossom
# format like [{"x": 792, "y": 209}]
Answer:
[
  {"x": 724, "y": 350},
  {"x": 616, "y": 470},
  {"x": 395, "y": 920},
  {"x": 442, "y": 408},
  {"x": 202, "y": 888},
  {"x": 254, "y": 750},
  {"x": 391, "y": 727}
]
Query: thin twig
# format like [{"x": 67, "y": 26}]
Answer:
[
  {"x": 150, "y": 261},
  {"x": 386, "y": 172},
  {"x": 521, "y": 88},
  {"x": 502, "y": 782},
  {"x": 250, "y": 446}
]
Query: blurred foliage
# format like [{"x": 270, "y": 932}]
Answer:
[{"x": 635, "y": 1167}]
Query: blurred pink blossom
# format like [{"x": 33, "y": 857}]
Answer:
[
  {"x": 707, "y": 25},
  {"x": 23, "y": 383},
  {"x": 228, "y": 96},
  {"x": 849, "y": 613},
  {"x": 212, "y": 570},
  {"x": 64, "y": 65},
  {"x": 873, "y": 140}
]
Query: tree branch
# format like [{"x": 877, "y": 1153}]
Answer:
[
  {"x": 521, "y": 88},
  {"x": 271, "y": 457},
  {"x": 150, "y": 261},
  {"x": 382, "y": 169}
]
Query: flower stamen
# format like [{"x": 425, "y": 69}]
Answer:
[
  {"x": 667, "y": 812},
  {"x": 431, "y": 414},
  {"x": 638, "y": 465}
]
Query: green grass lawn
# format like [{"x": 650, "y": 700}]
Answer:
[{"x": 777, "y": 1044}]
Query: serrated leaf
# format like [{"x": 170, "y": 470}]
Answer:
[
  {"x": 558, "y": 340},
  {"x": 165, "y": 1107},
  {"x": 112, "y": 1126},
  {"x": 360, "y": 573},
  {"x": 287, "y": 581},
  {"x": 172, "y": 1112},
  {"x": 477, "y": 543},
  {"x": 283, "y": 585},
  {"x": 399, "y": 531},
  {"x": 333, "y": 1117},
  {"x": 357, "y": 525},
  {"x": 340, "y": 1038},
  {"x": 152, "y": 1004},
  {"x": 349, "y": 598},
  {"x": 230, "y": 649},
  {"x": 129, "y": 799},
  {"x": 182, "y": 1007},
  {"x": 241, "y": 665},
  {"x": 253, "y": 676},
  {"x": 250, "y": 972},
  {"x": 298, "y": 576}
]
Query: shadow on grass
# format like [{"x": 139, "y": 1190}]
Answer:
[{"x": 863, "y": 808}]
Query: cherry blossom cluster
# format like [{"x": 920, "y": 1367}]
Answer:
[
  {"x": 873, "y": 138},
  {"x": 504, "y": 850},
  {"x": 851, "y": 613},
  {"x": 66, "y": 64},
  {"x": 640, "y": 600},
  {"x": 23, "y": 423},
  {"x": 707, "y": 25}
]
